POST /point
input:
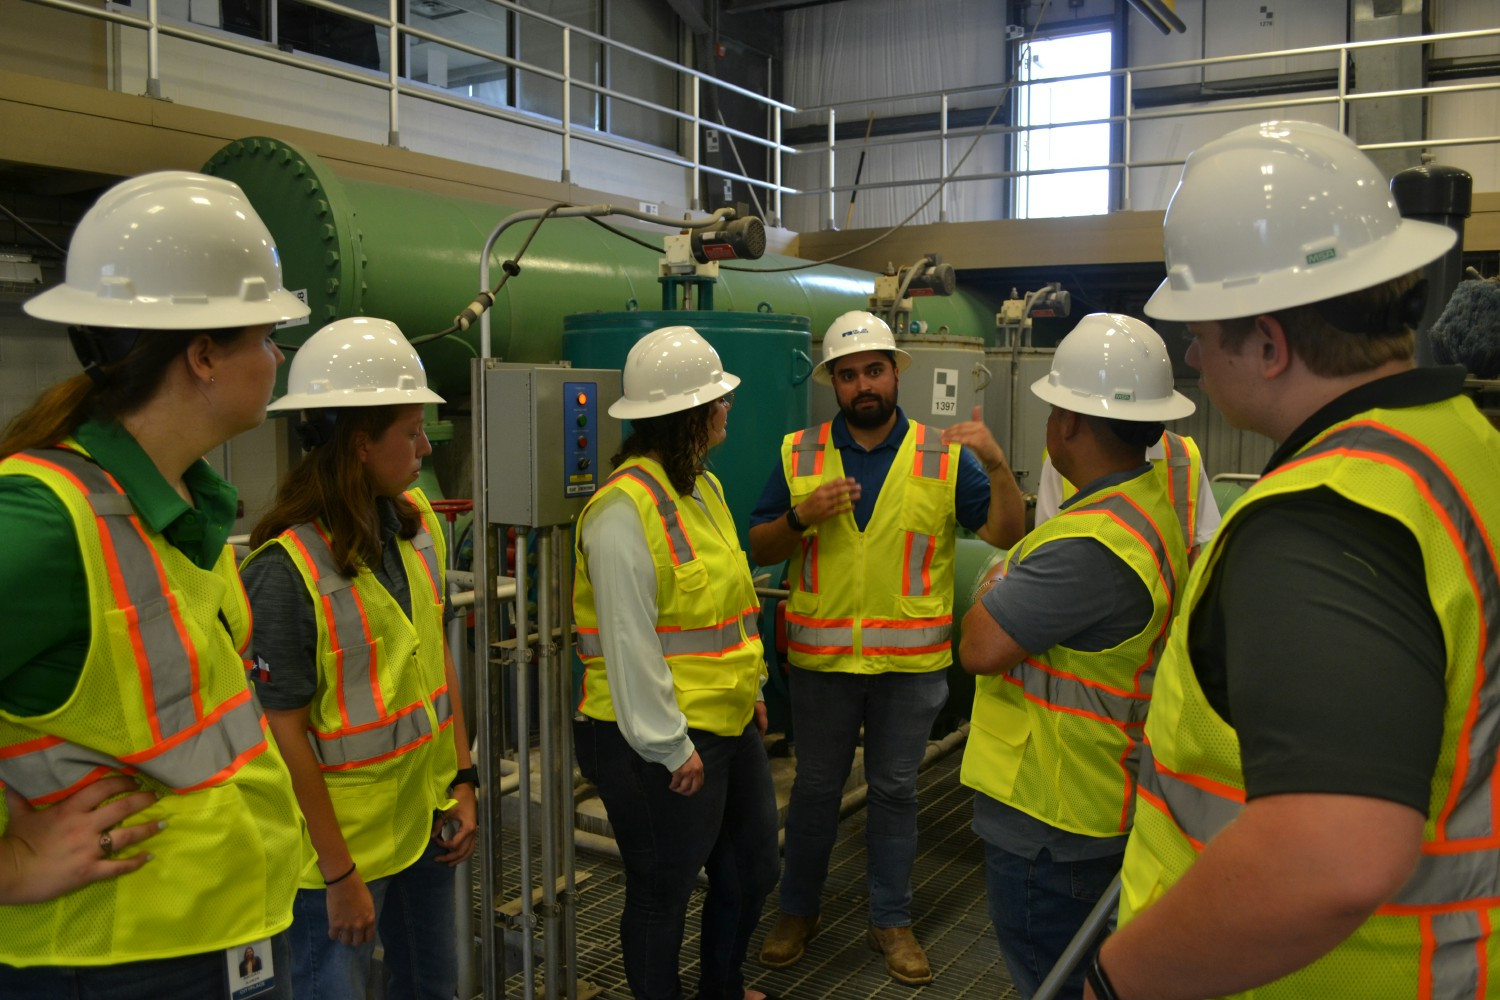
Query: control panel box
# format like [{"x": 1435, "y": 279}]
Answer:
[{"x": 548, "y": 439}]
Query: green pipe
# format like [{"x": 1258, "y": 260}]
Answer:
[{"x": 356, "y": 247}]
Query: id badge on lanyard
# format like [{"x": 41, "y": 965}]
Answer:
[{"x": 251, "y": 971}]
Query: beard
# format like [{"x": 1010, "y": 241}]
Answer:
[{"x": 868, "y": 418}]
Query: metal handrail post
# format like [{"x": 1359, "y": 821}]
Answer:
[
  {"x": 153, "y": 50},
  {"x": 832, "y": 117},
  {"x": 943, "y": 159},
  {"x": 1128, "y": 85},
  {"x": 776, "y": 160},
  {"x": 567, "y": 106},
  {"x": 393, "y": 77},
  {"x": 694, "y": 96},
  {"x": 1343, "y": 106}
]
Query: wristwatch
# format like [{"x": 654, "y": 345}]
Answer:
[
  {"x": 465, "y": 776},
  {"x": 1099, "y": 982},
  {"x": 793, "y": 521}
]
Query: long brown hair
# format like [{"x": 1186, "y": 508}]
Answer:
[
  {"x": 679, "y": 439},
  {"x": 114, "y": 389},
  {"x": 330, "y": 485}
]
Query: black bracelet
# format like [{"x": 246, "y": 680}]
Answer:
[
  {"x": 1099, "y": 982},
  {"x": 465, "y": 776},
  {"x": 793, "y": 521},
  {"x": 341, "y": 878}
]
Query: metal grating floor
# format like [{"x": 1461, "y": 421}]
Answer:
[{"x": 951, "y": 918}]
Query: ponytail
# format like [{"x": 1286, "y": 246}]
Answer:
[{"x": 108, "y": 389}]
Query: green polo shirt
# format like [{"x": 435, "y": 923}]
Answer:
[{"x": 42, "y": 568}]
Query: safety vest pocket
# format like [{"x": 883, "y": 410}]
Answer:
[
  {"x": 366, "y": 812},
  {"x": 928, "y": 606},
  {"x": 1004, "y": 727},
  {"x": 928, "y": 505},
  {"x": 695, "y": 597}
]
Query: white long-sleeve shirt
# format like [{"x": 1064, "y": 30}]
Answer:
[{"x": 640, "y": 681}]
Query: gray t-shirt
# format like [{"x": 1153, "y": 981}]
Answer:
[
  {"x": 1070, "y": 592},
  {"x": 285, "y": 633}
]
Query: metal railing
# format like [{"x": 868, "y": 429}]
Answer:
[
  {"x": 396, "y": 33},
  {"x": 777, "y": 151},
  {"x": 942, "y": 102}
]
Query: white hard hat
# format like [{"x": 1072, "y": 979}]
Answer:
[
  {"x": 1283, "y": 214},
  {"x": 1113, "y": 366},
  {"x": 171, "y": 251},
  {"x": 851, "y": 333},
  {"x": 359, "y": 361},
  {"x": 668, "y": 370}
]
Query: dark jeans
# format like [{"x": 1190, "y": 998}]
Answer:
[
  {"x": 728, "y": 828},
  {"x": 191, "y": 977},
  {"x": 1037, "y": 906},
  {"x": 414, "y": 915},
  {"x": 897, "y": 712}
]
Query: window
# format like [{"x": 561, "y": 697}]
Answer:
[{"x": 1057, "y": 144}]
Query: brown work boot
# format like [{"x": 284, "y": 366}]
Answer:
[
  {"x": 787, "y": 941},
  {"x": 904, "y": 958}
]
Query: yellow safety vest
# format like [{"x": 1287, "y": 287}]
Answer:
[
  {"x": 1059, "y": 736},
  {"x": 1433, "y": 468},
  {"x": 706, "y": 609},
  {"x": 1181, "y": 472},
  {"x": 878, "y": 600},
  {"x": 162, "y": 697},
  {"x": 381, "y": 722}
]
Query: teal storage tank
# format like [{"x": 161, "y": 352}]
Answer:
[
  {"x": 768, "y": 351},
  {"x": 358, "y": 247}
]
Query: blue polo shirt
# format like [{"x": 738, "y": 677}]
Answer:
[{"x": 971, "y": 503}]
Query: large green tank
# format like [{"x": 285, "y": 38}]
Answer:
[
  {"x": 768, "y": 351},
  {"x": 357, "y": 247}
]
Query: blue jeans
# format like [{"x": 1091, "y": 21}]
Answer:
[
  {"x": 1037, "y": 906},
  {"x": 728, "y": 829},
  {"x": 828, "y": 708},
  {"x": 191, "y": 977},
  {"x": 414, "y": 915}
]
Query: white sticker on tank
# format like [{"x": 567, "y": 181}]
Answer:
[{"x": 944, "y": 392}]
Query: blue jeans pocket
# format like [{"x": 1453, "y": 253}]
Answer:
[{"x": 1091, "y": 878}]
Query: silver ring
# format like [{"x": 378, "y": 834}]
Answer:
[{"x": 105, "y": 844}]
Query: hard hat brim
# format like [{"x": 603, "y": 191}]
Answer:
[
  {"x": 823, "y": 376},
  {"x": 1173, "y": 407},
  {"x": 352, "y": 397},
  {"x": 1413, "y": 245},
  {"x": 65, "y": 304},
  {"x": 635, "y": 409}
]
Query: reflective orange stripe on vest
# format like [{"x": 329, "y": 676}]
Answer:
[
  {"x": 931, "y": 459},
  {"x": 1180, "y": 483},
  {"x": 1469, "y": 812},
  {"x": 369, "y": 731},
  {"x": 1068, "y": 693},
  {"x": 712, "y": 640},
  {"x": 807, "y": 456},
  {"x": 189, "y": 749},
  {"x": 666, "y": 509},
  {"x": 1454, "y": 881}
]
